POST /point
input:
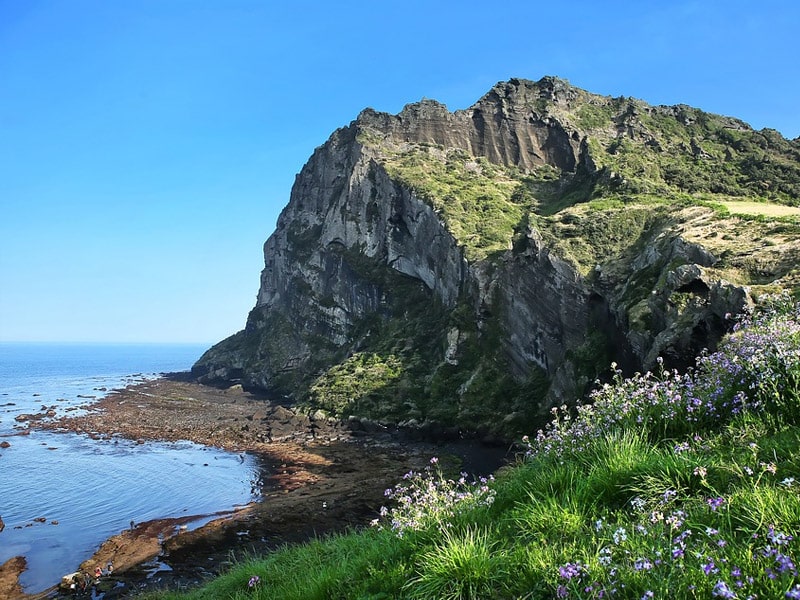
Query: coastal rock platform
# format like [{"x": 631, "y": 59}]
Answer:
[{"x": 319, "y": 476}]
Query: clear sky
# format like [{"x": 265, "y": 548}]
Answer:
[{"x": 147, "y": 146}]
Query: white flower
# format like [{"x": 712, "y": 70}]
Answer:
[
  {"x": 598, "y": 525},
  {"x": 620, "y": 535}
]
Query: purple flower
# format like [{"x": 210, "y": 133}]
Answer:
[
  {"x": 721, "y": 590},
  {"x": 254, "y": 581},
  {"x": 794, "y": 593},
  {"x": 785, "y": 564},
  {"x": 710, "y": 567},
  {"x": 777, "y": 538},
  {"x": 570, "y": 570},
  {"x": 715, "y": 503},
  {"x": 642, "y": 564}
]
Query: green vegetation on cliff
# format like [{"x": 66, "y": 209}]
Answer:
[
  {"x": 633, "y": 158},
  {"x": 398, "y": 373},
  {"x": 670, "y": 484},
  {"x": 475, "y": 198}
]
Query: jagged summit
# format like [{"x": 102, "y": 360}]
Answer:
[{"x": 474, "y": 267}]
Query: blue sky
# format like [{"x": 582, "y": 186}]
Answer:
[{"x": 147, "y": 146}]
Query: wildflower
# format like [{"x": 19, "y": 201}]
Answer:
[
  {"x": 794, "y": 593},
  {"x": 682, "y": 537},
  {"x": 648, "y": 594},
  {"x": 656, "y": 516},
  {"x": 785, "y": 565},
  {"x": 620, "y": 535},
  {"x": 668, "y": 495},
  {"x": 771, "y": 468},
  {"x": 682, "y": 447},
  {"x": 605, "y": 557},
  {"x": 561, "y": 591},
  {"x": 254, "y": 581},
  {"x": 788, "y": 481},
  {"x": 710, "y": 567},
  {"x": 715, "y": 503},
  {"x": 427, "y": 497},
  {"x": 721, "y": 590},
  {"x": 700, "y": 472},
  {"x": 675, "y": 519},
  {"x": 777, "y": 538},
  {"x": 642, "y": 564},
  {"x": 570, "y": 570},
  {"x": 434, "y": 460}
]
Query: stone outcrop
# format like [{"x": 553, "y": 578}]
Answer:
[{"x": 360, "y": 250}]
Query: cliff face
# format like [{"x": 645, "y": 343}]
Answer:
[{"x": 475, "y": 268}]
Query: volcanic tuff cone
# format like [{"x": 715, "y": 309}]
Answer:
[{"x": 474, "y": 268}]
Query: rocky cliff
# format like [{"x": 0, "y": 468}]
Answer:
[{"x": 473, "y": 268}]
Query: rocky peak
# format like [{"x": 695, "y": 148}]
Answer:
[{"x": 475, "y": 267}]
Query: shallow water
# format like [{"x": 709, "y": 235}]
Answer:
[{"x": 84, "y": 489}]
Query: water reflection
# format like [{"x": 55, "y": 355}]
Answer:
[{"x": 62, "y": 494}]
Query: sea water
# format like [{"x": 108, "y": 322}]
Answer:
[{"x": 63, "y": 494}]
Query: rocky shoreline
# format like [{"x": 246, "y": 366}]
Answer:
[{"x": 319, "y": 476}]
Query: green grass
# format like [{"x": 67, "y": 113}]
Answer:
[{"x": 461, "y": 565}]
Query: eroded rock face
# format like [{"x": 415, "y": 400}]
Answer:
[
  {"x": 350, "y": 233},
  {"x": 504, "y": 126}
]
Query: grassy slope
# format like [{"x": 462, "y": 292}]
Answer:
[
  {"x": 668, "y": 485},
  {"x": 760, "y": 208}
]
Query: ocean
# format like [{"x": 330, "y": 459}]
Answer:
[{"x": 63, "y": 494}]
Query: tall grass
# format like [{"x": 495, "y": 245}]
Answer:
[{"x": 666, "y": 485}]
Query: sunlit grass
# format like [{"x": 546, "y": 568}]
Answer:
[{"x": 740, "y": 207}]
